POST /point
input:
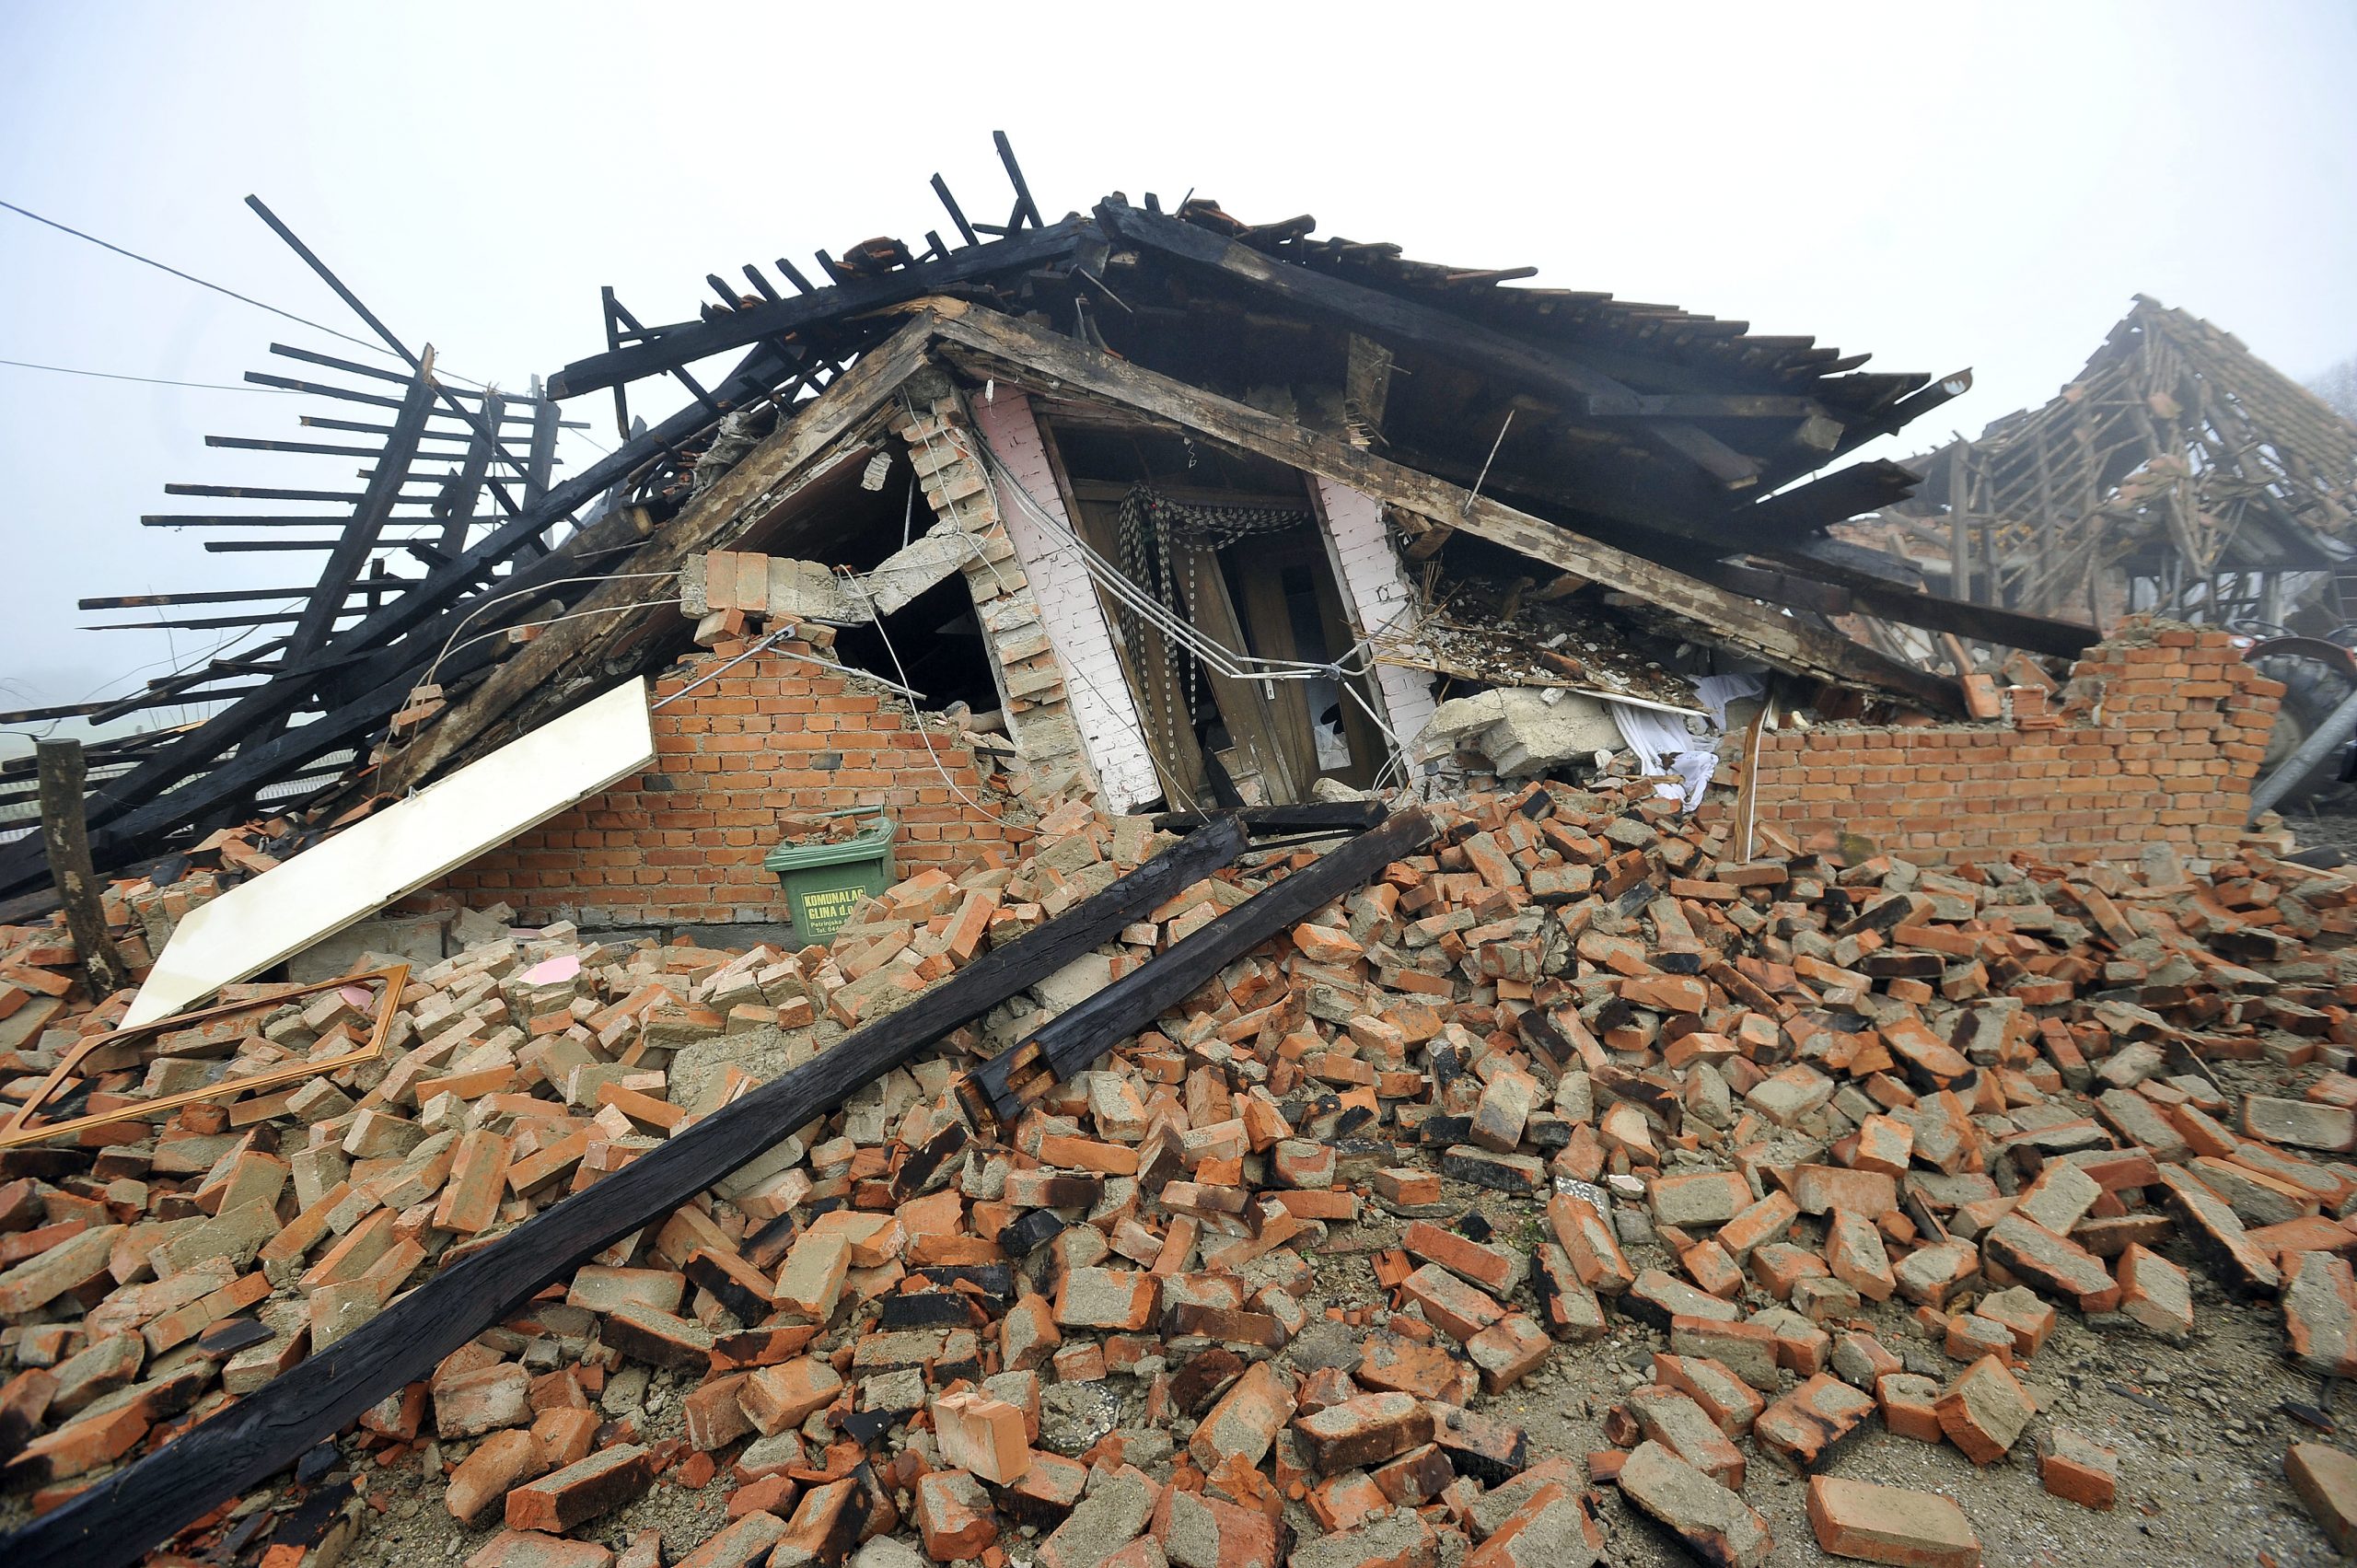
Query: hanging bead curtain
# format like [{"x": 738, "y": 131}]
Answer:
[{"x": 1154, "y": 529}]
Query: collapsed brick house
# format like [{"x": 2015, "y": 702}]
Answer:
[
  {"x": 843, "y": 1241},
  {"x": 1175, "y": 510}
]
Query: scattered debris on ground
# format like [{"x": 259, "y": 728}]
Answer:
[{"x": 1824, "y": 1154}]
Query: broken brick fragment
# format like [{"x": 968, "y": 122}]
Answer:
[
  {"x": 2325, "y": 1480},
  {"x": 953, "y": 1515},
  {"x": 982, "y": 1434},
  {"x": 2074, "y": 1465},
  {"x": 1984, "y": 1410},
  {"x": 1364, "y": 1431},
  {"x": 604, "y": 1482},
  {"x": 1714, "y": 1523},
  {"x": 1890, "y": 1524}
]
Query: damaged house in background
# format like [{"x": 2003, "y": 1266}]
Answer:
[{"x": 2179, "y": 475}]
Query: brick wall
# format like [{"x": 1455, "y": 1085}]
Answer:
[
  {"x": 945, "y": 453},
  {"x": 2156, "y": 736},
  {"x": 1070, "y": 611},
  {"x": 683, "y": 842}
]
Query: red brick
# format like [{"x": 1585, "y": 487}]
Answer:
[
  {"x": 1890, "y": 1524},
  {"x": 599, "y": 1484}
]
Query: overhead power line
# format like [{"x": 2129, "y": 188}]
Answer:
[
  {"x": 371, "y": 346},
  {"x": 191, "y": 277},
  {"x": 151, "y": 380}
]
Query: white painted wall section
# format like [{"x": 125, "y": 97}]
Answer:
[
  {"x": 1379, "y": 596},
  {"x": 1069, "y": 607}
]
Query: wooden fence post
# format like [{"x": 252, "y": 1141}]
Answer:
[{"x": 64, "y": 834}]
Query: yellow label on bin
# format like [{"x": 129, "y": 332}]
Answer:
[{"x": 831, "y": 906}]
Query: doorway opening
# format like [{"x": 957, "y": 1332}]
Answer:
[{"x": 1233, "y": 547}]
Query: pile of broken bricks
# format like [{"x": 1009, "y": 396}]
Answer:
[{"x": 1249, "y": 1291}]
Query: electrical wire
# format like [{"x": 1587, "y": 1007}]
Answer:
[
  {"x": 152, "y": 380},
  {"x": 916, "y": 718},
  {"x": 764, "y": 644},
  {"x": 216, "y": 651},
  {"x": 1342, "y": 671},
  {"x": 1223, "y": 659},
  {"x": 525, "y": 592},
  {"x": 1169, "y": 776},
  {"x": 372, "y": 346},
  {"x": 191, "y": 277},
  {"x": 551, "y": 621}
]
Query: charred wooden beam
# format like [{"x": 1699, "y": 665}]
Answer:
[
  {"x": 68, "y": 846},
  {"x": 1777, "y": 588},
  {"x": 472, "y": 418},
  {"x": 1904, "y": 411},
  {"x": 1004, "y": 1085},
  {"x": 206, "y": 622},
  {"x": 1017, "y": 349},
  {"x": 206, "y": 595},
  {"x": 1872, "y": 593},
  {"x": 368, "y": 519},
  {"x": 1337, "y": 816},
  {"x": 121, "y": 1517},
  {"x": 520, "y": 691},
  {"x": 1026, "y": 209},
  {"x": 957, "y": 215},
  {"x": 1804, "y": 511},
  {"x": 1702, "y": 405},
  {"x": 690, "y": 341},
  {"x": 388, "y": 631},
  {"x": 456, "y": 504},
  {"x": 1399, "y": 322}
]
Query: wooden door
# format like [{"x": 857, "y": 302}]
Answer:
[{"x": 1294, "y": 611}]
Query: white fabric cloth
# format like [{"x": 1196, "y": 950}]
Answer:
[
  {"x": 1717, "y": 691},
  {"x": 1661, "y": 745}
]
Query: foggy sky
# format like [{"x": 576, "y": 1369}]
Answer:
[{"x": 1942, "y": 185}]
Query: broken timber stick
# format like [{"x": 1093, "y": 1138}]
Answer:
[
  {"x": 65, "y": 834},
  {"x": 1004, "y": 1085},
  {"x": 118, "y": 1520},
  {"x": 1339, "y": 817}
]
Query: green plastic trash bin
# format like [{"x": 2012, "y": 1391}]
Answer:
[{"x": 826, "y": 882}]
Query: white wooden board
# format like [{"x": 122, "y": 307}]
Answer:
[{"x": 360, "y": 870}]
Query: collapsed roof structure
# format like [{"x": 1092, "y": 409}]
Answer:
[{"x": 1201, "y": 396}]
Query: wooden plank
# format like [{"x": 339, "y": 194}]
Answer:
[
  {"x": 1022, "y": 349},
  {"x": 1252, "y": 719},
  {"x": 66, "y": 838},
  {"x": 124, "y": 1516},
  {"x": 1705, "y": 405},
  {"x": 687, "y": 343},
  {"x": 1003, "y": 1087},
  {"x": 1399, "y": 322},
  {"x": 392, "y": 979},
  {"x": 360, "y": 535}
]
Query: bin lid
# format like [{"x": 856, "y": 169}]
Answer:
[{"x": 869, "y": 844}]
